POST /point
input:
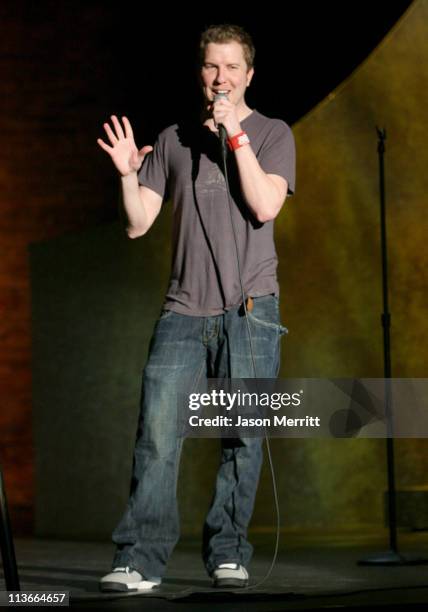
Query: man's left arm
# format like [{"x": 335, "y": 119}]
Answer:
[{"x": 264, "y": 193}]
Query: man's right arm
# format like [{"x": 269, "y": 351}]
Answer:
[{"x": 141, "y": 205}]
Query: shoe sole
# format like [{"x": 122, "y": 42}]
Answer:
[
  {"x": 120, "y": 586},
  {"x": 230, "y": 582}
]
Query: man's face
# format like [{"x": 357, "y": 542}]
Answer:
[{"x": 225, "y": 70}]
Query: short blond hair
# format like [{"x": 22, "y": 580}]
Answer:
[{"x": 225, "y": 33}]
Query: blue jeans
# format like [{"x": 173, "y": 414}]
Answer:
[{"x": 184, "y": 349}]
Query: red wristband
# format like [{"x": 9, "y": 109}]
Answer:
[{"x": 238, "y": 141}]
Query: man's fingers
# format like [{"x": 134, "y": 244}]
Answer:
[
  {"x": 145, "y": 150},
  {"x": 104, "y": 146},
  {"x": 223, "y": 102},
  {"x": 128, "y": 129},
  {"x": 111, "y": 135},
  {"x": 117, "y": 127}
]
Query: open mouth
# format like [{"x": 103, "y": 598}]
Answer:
[{"x": 221, "y": 92}]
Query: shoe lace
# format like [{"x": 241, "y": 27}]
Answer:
[{"x": 126, "y": 569}]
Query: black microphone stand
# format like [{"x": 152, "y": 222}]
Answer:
[{"x": 391, "y": 556}]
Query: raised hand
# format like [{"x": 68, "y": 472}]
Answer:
[{"x": 123, "y": 150}]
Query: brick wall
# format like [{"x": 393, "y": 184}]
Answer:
[{"x": 53, "y": 180}]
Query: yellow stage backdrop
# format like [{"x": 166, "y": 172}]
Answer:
[{"x": 328, "y": 241}]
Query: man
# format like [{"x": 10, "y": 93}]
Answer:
[{"x": 202, "y": 330}]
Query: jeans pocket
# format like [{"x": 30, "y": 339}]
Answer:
[
  {"x": 165, "y": 314},
  {"x": 266, "y": 313}
]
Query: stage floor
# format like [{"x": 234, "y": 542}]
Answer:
[{"x": 314, "y": 571}]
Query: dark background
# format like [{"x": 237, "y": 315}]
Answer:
[{"x": 140, "y": 58}]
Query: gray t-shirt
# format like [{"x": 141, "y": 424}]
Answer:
[{"x": 185, "y": 167}]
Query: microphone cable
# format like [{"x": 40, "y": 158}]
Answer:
[{"x": 223, "y": 140}]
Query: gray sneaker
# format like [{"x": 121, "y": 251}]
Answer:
[
  {"x": 230, "y": 575},
  {"x": 127, "y": 579}
]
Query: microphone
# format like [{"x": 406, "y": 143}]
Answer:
[{"x": 221, "y": 129}]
